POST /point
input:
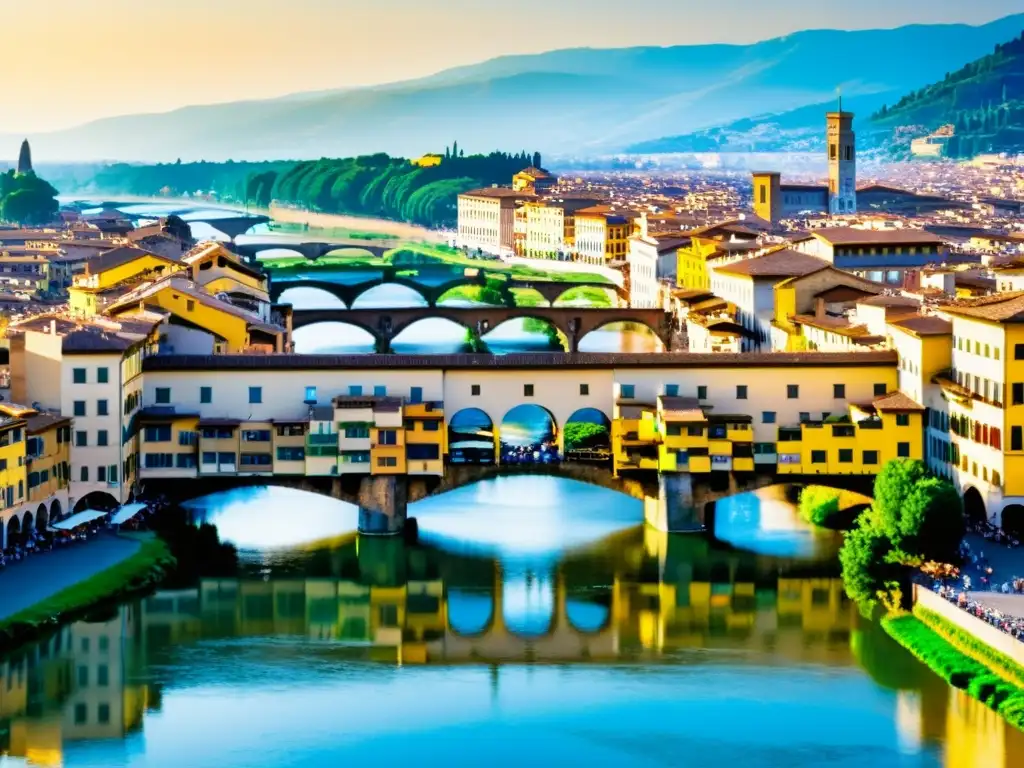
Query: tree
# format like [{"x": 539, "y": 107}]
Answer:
[
  {"x": 455, "y": 149},
  {"x": 932, "y": 521},
  {"x": 820, "y": 506},
  {"x": 864, "y": 558},
  {"x": 536, "y": 160},
  {"x": 894, "y": 484},
  {"x": 581, "y": 435}
]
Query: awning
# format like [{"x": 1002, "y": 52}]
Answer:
[
  {"x": 126, "y": 513},
  {"x": 79, "y": 518}
]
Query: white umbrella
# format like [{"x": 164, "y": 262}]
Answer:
[
  {"x": 79, "y": 518},
  {"x": 126, "y": 513}
]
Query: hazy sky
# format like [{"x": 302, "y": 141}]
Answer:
[{"x": 70, "y": 61}]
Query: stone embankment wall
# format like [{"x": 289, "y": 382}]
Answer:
[{"x": 1005, "y": 644}]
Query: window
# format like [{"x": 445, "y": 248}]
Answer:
[
  {"x": 415, "y": 394},
  {"x": 741, "y": 391},
  {"x": 627, "y": 391},
  {"x": 804, "y": 417},
  {"x": 78, "y": 374},
  {"x": 256, "y": 460},
  {"x": 695, "y": 431},
  {"x": 880, "y": 389},
  {"x": 103, "y": 714},
  {"x": 84, "y": 475},
  {"x": 163, "y": 395},
  {"x": 431, "y": 426},
  {"x": 387, "y": 461},
  {"x": 838, "y": 391},
  {"x": 527, "y": 390},
  {"x": 1018, "y": 351},
  {"x": 255, "y": 395},
  {"x": 101, "y": 408},
  {"x": 79, "y": 408},
  {"x": 1018, "y": 393},
  {"x": 902, "y": 419},
  {"x": 158, "y": 460},
  {"x": 256, "y": 435},
  {"x": 793, "y": 391},
  {"x": 846, "y": 455},
  {"x": 387, "y": 437},
  {"x": 157, "y": 434},
  {"x": 380, "y": 391},
  {"x": 291, "y": 453},
  {"x": 903, "y": 450},
  {"x": 870, "y": 458},
  {"x": 101, "y": 438},
  {"x": 102, "y": 376},
  {"x": 209, "y": 457},
  {"x": 424, "y": 452},
  {"x": 702, "y": 393},
  {"x": 819, "y": 457},
  {"x": 357, "y": 431},
  {"x": 474, "y": 390},
  {"x": 671, "y": 390},
  {"x": 768, "y": 417},
  {"x": 1016, "y": 439},
  {"x": 584, "y": 389},
  {"x": 81, "y": 714},
  {"x": 355, "y": 390},
  {"x": 206, "y": 395},
  {"x": 81, "y": 438},
  {"x": 101, "y": 474}
]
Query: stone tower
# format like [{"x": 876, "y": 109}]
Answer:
[
  {"x": 768, "y": 195},
  {"x": 25, "y": 158},
  {"x": 842, "y": 163}
]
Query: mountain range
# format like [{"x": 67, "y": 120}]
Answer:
[{"x": 572, "y": 102}]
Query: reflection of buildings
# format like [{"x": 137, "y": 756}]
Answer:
[{"x": 79, "y": 685}]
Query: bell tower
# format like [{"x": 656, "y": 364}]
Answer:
[{"x": 842, "y": 163}]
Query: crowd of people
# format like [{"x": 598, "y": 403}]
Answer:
[{"x": 991, "y": 533}]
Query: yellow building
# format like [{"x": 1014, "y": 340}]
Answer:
[
  {"x": 721, "y": 243},
  {"x": 47, "y": 460},
  {"x": 548, "y": 228},
  {"x": 108, "y": 276},
  {"x": 426, "y": 439},
  {"x": 234, "y": 329},
  {"x": 429, "y": 160},
  {"x": 533, "y": 180},
  {"x": 602, "y": 234},
  {"x": 13, "y": 474},
  {"x": 218, "y": 271},
  {"x": 387, "y": 438}
]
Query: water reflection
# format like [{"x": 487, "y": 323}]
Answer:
[{"x": 660, "y": 645}]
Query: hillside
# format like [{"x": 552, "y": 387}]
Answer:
[
  {"x": 984, "y": 100},
  {"x": 573, "y": 102}
]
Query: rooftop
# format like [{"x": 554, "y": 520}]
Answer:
[
  {"x": 680, "y": 409},
  {"x": 925, "y": 325},
  {"x": 852, "y": 236},
  {"x": 783, "y": 263},
  {"x": 498, "y": 193},
  {"x": 118, "y": 257},
  {"x": 1000, "y": 308}
]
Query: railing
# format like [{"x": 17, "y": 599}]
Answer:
[
  {"x": 322, "y": 450},
  {"x": 323, "y": 439}
]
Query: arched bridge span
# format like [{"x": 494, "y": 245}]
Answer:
[{"x": 385, "y": 324}]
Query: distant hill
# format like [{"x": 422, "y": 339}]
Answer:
[
  {"x": 984, "y": 101},
  {"x": 574, "y": 102}
]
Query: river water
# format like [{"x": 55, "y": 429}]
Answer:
[{"x": 535, "y": 621}]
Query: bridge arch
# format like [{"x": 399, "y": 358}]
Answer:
[
  {"x": 471, "y": 437},
  {"x": 42, "y": 518},
  {"x": 13, "y": 532},
  {"x": 656, "y": 333},
  {"x": 1013, "y": 520},
  {"x": 470, "y": 611},
  {"x": 557, "y": 338},
  {"x": 587, "y": 434},
  {"x": 309, "y": 338},
  {"x": 529, "y": 434},
  {"x": 359, "y": 291},
  {"x": 56, "y": 512},
  {"x": 590, "y": 616}
]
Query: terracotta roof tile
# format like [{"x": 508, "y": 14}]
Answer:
[
  {"x": 925, "y": 325},
  {"x": 783, "y": 263}
]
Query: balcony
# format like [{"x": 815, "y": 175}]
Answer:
[
  {"x": 322, "y": 450},
  {"x": 330, "y": 438}
]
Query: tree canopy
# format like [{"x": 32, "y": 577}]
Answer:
[{"x": 26, "y": 199}]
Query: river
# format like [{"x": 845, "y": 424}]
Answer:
[
  {"x": 428, "y": 336},
  {"x": 535, "y": 621}
]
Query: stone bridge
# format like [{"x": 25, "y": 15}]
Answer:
[
  {"x": 678, "y": 503},
  {"x": 347, "y": 293},
  {"x": 574, "y": 322},
  {"x": 311, "y": 250}
]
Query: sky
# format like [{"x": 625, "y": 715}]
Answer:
[{"x": 79, "y": 60}]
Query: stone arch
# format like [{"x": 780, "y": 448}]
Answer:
[
  {"x": 399, "y": 328},
  {"x": 657, "y": 333},
  {"x": 100, "y": 500},
  {"x": 974, "y": 505},
  {"x": 439, "y": 292},
  {"x": 42, "y": 518},
  {"x": 27, "y": 525},
  {"x": 536, "y": 593},
  {"x": 581, "y": 442},
  {"x": 536, "y": 439},
  {"x": 557, "y": 336},
  {"x": 358, "y": 290},
  {"x": 590, "y": 617},
  {"x": 471, "y": 438},
  {"x": 339, "y": 291},
  {"x": 378, "y": 340},
  {"x": 560, "y": 299},
  {"x": 1013, "y": 520},
  {"x": 56, "y": 512},
  {"x": 13, "y": 532}
]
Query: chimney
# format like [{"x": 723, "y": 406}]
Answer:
[{"x": 819, "y": 308}]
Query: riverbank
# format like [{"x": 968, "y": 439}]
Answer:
[
  {"x": 122, "y": 567},
  {"x": 961, "y": 660},
  {"x": 314, "y": 220}
]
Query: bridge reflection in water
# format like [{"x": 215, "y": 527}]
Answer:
[{"x": 657, "y": 597}]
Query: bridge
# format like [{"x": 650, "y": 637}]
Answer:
[
  {"x": 311, "y": 250},
  {"x": 232, "y": 226},
  {"x": 441, "y": 281},
  {"x": 574, "y": 322}
]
